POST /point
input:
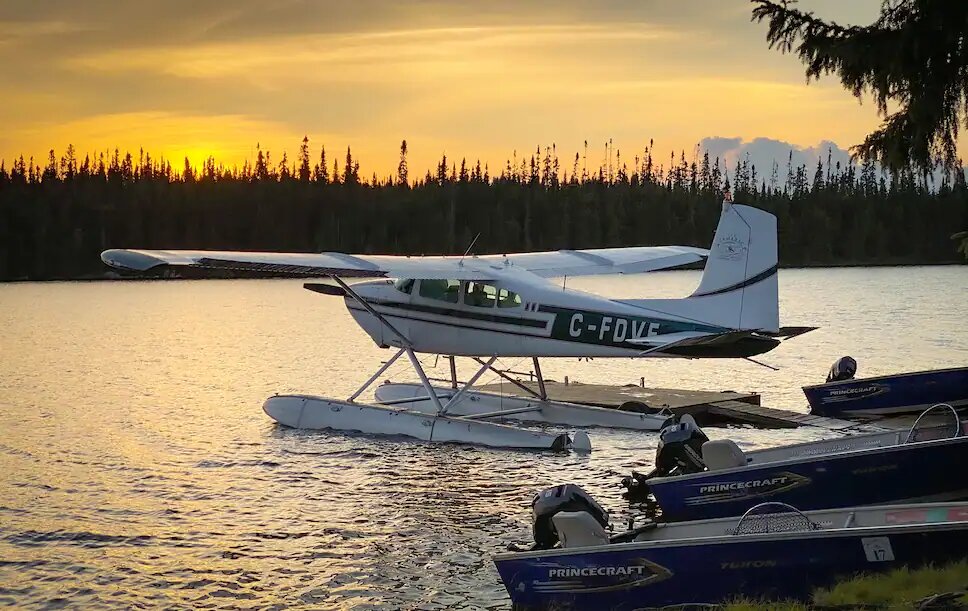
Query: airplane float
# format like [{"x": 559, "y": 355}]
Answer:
[{"x": 490, "y": 306}]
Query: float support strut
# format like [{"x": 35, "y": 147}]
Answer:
[
  {"x": 511, "y": 380},
  {"x": 541, "y": 385},
  {"x": 378, "y": 373},
  {"x": 423, "y": 379},
  {"x": 471, "y": 382}
]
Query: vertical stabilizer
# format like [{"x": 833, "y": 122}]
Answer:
[{"x": 738, "y": 289}]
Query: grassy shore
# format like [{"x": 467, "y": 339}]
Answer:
[{"x": 900, "y": 589}]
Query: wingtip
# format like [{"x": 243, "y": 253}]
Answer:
[{"x": 132, "y": 260}]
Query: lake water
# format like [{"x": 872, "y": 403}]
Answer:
[{"x": 137, "y": 468}]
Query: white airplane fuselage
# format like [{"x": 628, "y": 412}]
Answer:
[{"x": 519, "y": 317}]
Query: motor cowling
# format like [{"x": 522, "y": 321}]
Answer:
[
  {"x": 680, "y": 449},
  {"x": 679, "y": 453},
  {"x": 843, "y": 368},
  {"x": 550, "y": 501}
]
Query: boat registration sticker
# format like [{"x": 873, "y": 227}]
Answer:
[{"x": 877, "y": 549}]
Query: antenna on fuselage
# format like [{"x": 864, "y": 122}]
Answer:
[{"x": 469, "y": 247}]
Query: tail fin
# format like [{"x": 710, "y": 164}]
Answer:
[{"x": 738, "y": 289}]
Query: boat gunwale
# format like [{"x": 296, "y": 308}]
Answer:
[
  {"x": 822, "y": 533},
  {"x": 883, "y": 377},
  {"x": 750, "y": 466}
]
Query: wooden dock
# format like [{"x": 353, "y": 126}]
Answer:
[
  {"x": 771, "y": 417},
  {"x": 709, "y": 408}
]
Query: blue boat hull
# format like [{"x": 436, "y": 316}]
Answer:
[
  {"x": 928, "y": 471},
  {"x": 782, "y": 567},
  {"x": 903, "y": 393}
]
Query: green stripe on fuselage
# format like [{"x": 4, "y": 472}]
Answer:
[{"x": 610, "y": 329}]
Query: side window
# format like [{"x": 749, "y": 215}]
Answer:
[
  {"x": 480, "y": 295},
  {"x": 404, "y": 285},
  {"x": 508, "y": 299},
  {"x": 441, "y": 290}
]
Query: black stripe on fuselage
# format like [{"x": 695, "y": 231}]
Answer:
[
  {"x": 449, "y": 323},
  {"x": 684, "y": 325},
  {"x": 760, "y": 277},
  {"x": 426, "y": 309}
]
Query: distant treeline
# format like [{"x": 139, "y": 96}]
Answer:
[{"x": 56, "y": 219}]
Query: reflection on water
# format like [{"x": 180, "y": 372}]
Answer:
[{"x": 138, "y": 468}]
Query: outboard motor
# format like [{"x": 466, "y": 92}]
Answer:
[
  {"x": 680, "y": 448},
  {"x": 679, "y": 453},
  {"x": 843, "y": 368},
  {"x": 566, "y": 497}
]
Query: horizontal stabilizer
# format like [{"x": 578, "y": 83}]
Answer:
[
  {"x": 688, "y": 338},
  {"x": 325, "y": 289},
  {"x": 791, "y": 332},
  {"x": 729, "y": 343}
]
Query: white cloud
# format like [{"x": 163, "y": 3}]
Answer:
[{"x": 762, "y": 152}]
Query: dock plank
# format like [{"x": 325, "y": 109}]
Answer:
[
  {"x": 708, "y": 407},
  {"x": 782, "y": 418},
  {"x": 610, "y": 395}
]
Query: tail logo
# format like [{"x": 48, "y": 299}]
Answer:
[{"x": 730, "y": 248}]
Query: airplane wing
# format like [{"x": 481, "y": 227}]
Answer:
[
  {"x": 309, "y": 264},
  {"x": 630, "y": 260},
  {"x": 485, "y": 267}
]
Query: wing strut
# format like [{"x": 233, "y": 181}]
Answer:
[{"x": 368, "y": 308}]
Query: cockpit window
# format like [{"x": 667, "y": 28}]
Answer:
[
  {"x": 508, "y": 299},
  {"x": 404, "y": 285},
  {"x": 480, "y": 295},
  {"x": 441, "y": 290}
]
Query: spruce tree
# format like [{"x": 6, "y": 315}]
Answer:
[
  {"x": 321, "y": 171},
  {"x": 914, "y": 58},
  {"x": 403, "y": 178},
  {"x": 304, "y": 173}
]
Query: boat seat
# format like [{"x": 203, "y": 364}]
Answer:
[
  {"x": 579, "y": 529},
  {"x": 722, "y": 454}
]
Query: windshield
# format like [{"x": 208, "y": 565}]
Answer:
[{"x": 404, "y": 285}]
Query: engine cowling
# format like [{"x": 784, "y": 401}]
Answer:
[
  {"x": 843, "y": 368},
  {"x": 550, "y": 501},
  {"x": 679, "y": 453}
]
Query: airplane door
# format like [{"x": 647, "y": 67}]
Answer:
[
  {"x": 492, "y": 319},
  {"x": 509, "y": 309},
  {"x": 402, "y": 295},
  {"x": 434, "y": 326}
]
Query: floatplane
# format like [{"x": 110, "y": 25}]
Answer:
[{"x": 491, "y": 306}]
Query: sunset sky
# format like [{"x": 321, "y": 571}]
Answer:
[{"x": 475, "y": 79}]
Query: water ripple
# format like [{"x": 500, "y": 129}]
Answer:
[{"x": 139, "y": 472}]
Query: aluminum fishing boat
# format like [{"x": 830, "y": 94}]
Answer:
[
  {"x": 697, "y": 479},
  {"x": 887, "y": 395},
  {"x": 773, "y": 551}
]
